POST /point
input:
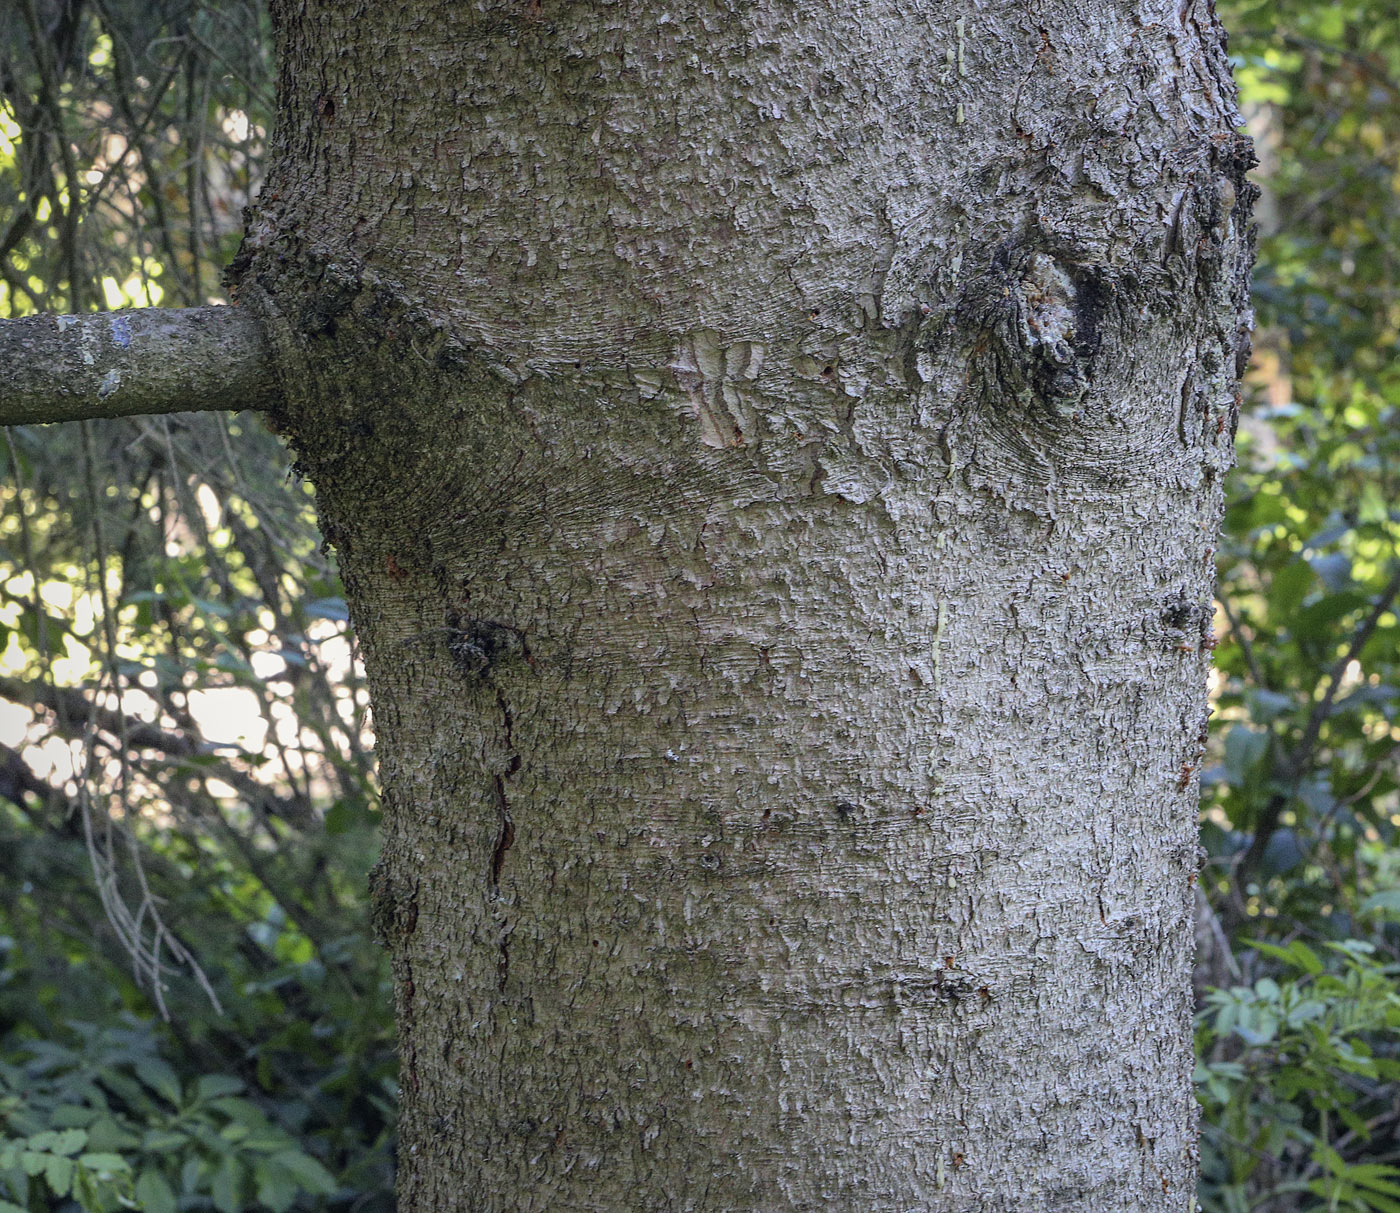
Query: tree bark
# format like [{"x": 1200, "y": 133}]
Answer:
[
  {"x": 774, "y": 454},
  {"x": 146, "y": 360}
]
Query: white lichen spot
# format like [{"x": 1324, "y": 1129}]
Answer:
[
  {"x": 708, "y": 353},
  {"x": 848, "y": 479},
  {"x": 111, "y": 381},
  {"x": 1049, "y": 294},
  {"x": 942, "y": 622}
]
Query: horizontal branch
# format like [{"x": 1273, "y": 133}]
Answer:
[{"x": 147, "y": 360}]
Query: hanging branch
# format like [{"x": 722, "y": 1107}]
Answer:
[{"x": 137, "y": 919}]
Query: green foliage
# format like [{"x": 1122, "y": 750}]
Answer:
[
  {"x": 187, "y": 812},
  {"x": 1309, "y": 574},
  {"x": 1293, "y": 1070},
  {"x": 106, "y": 1121},
  {"x": 130, "y": 131},
  {"x": 1298, "y": 1070}
]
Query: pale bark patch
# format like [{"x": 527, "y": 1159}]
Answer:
[{"x": 717, "y": 379}]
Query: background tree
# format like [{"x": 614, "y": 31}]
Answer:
[
  {"x": 176, "y": 671},
  {"x": 1300, "y": 788}
]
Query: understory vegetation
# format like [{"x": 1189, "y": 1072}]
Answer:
[
  {"x": 193, "y": 1013},
  {"x": 1298, "y": 980}
]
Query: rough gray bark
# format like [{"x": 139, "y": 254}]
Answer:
[
  {"x": 774, "y": 453},
  {"x": 146, "y": 360}
]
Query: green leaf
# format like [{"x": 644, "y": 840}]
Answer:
[
  {"x": 208, "y": 606},
  {"x": 1386, "y": 899},
  {"x": 345, "y": 815},
  {"x": 1306, "y": 1012},
  {"x": 309, "y": 1173},
  {"x": 1315, "y": 622},
  {"x": 1244, "y": 749},
  {"x": 1304, "y": 957},
  {"x": 328, "y": 608},
  {"x": 1290, "y": 586},
  {"x": 232, "y": 663},
  {"x": 190, "y": 1174},
  {"x": 276, "y": 1188},
  {"x": 70, "y": 1141},
  {"x": 1267, "y": 705},
  {"x": 54, "y": 628},
  {"x": 72, "y": 1117},
  {"x": 211, "y": 1086},
  {"x": 227, "y": 1181},
  {"x": 103, "y": 1161},
  {"x": 245, "y": 1113},
  {"x": 1296, "y": 954},
  {"x": 58, "y": 1174},
  {"x": 154, "y": 1194},
  {"x": 106, "y": 1134},
  {"x": 157, "y": 1074},
  {"x": 1381, "y": 1203},
  {"x": 1374, "y": 1176}
]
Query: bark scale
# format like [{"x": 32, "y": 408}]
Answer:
[{"x": 774, "y": 454}]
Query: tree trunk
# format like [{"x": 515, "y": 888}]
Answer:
[{"x": 774, "y": 453}]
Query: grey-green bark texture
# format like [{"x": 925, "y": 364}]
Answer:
[{"x": 774, "y": 453}]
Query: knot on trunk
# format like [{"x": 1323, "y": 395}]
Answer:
[
  {"x": 1034, "y": 323},
  {"x": 478, "y": 646}
]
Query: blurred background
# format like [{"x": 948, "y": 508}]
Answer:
[{"x": 193, "y": 1014}]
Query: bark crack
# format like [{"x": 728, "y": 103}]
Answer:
[
  {"x": 505, "y": 839},
  {"x": 505, "y": 836}
]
